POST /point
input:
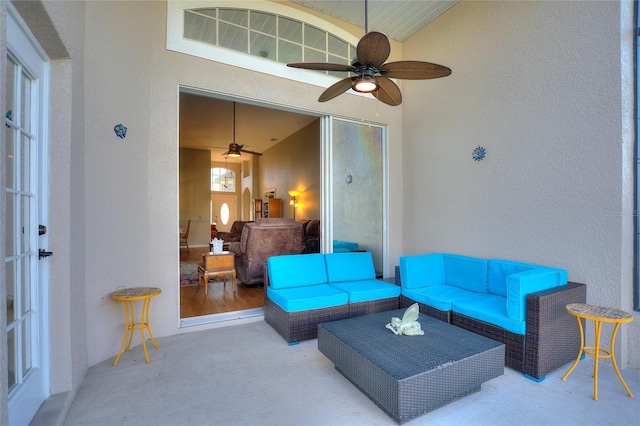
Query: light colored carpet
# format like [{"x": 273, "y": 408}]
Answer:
[{"x": 248, "y": 375}]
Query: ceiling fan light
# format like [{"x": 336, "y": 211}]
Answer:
[
  {"x": 365, "y": 84},
  {"x": 233, "y": 152}
]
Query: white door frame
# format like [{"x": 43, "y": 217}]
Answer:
[{"x": 34, "y": 387}]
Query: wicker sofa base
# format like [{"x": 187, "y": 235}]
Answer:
[
  {"x": 552, "y": 338},
  {"x": 303, "y": 325},
  {"x": 445, "y": 316},
  {"x": 371, "y": 307},
  {"x": 445, "y": 364}
]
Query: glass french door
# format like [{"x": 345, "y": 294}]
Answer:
[{"x": 25, "y": 173}]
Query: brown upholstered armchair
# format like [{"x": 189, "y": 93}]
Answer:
[
  {"x": 311, "y": 235},
  {"x": 262, "y": 239},
  {"x": 234, "y": 233}
]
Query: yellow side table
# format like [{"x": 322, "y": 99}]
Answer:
[
  {"x": 127, "y": 296},
  {"x": 598, "y": 314}
]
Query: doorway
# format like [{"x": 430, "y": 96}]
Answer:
[
  {"x": 208, "y": 124},
  {"x": 285, "y": 166},
  {"x": 26, "y": 206}
]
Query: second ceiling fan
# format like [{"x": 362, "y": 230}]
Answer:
[
  {"x": 236, "y": 150},
  {"x": 371, "y": 73}
]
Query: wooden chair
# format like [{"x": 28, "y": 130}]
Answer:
[
  {"x": 184, "y": 236},
  {"x": 217, "y": 265}
]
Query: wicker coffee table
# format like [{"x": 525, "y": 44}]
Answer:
[{"x": 408, "y": 376}]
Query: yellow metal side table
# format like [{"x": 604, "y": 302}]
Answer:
[
  {"x": 598, "y": 314},
  {"x": 127, "y": 296}
]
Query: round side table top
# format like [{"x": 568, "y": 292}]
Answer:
[
  {"x": 599, "y": 312},
  {"x": 135, "y": 293}
]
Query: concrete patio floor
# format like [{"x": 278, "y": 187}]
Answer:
[{"x": 248, "y": 375}]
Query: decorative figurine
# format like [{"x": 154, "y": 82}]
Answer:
[{"x": 409, "y": 326}]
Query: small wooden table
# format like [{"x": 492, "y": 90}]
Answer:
[
  {"x": 218, "y": 264},
  {"x": 127, "y": 296},
  {"x": 598, "y": 314}
]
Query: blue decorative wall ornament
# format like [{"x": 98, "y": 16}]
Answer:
[
  {"x": 120, "y": 130},
  {"x": 479, "y": 153}
]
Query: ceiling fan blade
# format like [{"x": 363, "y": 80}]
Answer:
[
  {"x": 373, "y": 48},
  {"x": 251, "y": 152},
  {"x": 389, "y": 92},
  {"x": 414, "y": 70},
  {"x": 336, "y": 89},
  {"x": 321, "y": 66}
]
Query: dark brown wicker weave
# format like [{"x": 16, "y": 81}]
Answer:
[
  {"x": 445, "y": 316},
  {"x": 552, "y": 337},
  {"x": 408, "y": 376},
  {"x": 297, "y": 326},
  {"x": 372, "y": 307},
  {"x": 303, "y": 325}
]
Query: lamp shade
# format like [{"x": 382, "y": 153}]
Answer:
[{"x": 293, "y": 193}]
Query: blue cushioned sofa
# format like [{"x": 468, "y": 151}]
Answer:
[
  {"x": 519, "y": 304},
  {"x": 307, "y": 289}
]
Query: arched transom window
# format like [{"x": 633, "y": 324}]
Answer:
[
  {"x": 259, "y": 35},
  {"x": 266, "y": 35}
]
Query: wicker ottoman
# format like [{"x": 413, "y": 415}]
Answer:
[{"x": 408, "y": 376}]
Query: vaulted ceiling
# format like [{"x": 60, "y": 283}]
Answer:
[{"x": 398, "y": 19}]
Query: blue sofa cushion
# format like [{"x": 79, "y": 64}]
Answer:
[
  {"x": 298, "y": 299},
  {"x": 421, "y": 270},
  {"x": 439, "y": 296},
  {"x": 344, "y": 246},
  {"x": 466, "y": 272},
  {"x": 498, "y": 272},
  {"x": 349, "y": 266},
  {"x": 296, "y": 270},
  {"x": 489, "y": 308},
  {"x": 366, "y": 290},
  {"x": 519, "y": 285}
]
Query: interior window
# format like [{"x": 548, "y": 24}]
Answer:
[{"x": 223, "y": 179}]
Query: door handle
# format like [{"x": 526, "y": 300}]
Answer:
[{"x": 42, "y": 253}]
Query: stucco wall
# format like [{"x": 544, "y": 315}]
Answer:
[
  {"x": 131, "y": 185},
  {"x": 545, "y": 98},
  {"x": 529, "y": 83}
]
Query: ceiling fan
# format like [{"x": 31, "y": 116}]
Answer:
[
  {"x": 371, "y": 73},
  {"x": 236, "y": 150}
]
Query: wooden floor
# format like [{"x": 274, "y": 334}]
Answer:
[{"x": 220, "y": 298}]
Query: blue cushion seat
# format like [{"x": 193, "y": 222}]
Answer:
[
  {"x": 439, "y": 296},
  {"x": 296, "y": 299},
  {"x": 367, "y": 290},
  {"x": 489, "y": 308}
]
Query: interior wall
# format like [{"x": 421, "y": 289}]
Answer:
[
  {"x": 294, "y": 164},
  {"x": 546, "y": 99},
  {"x": 195, "y": 195}
]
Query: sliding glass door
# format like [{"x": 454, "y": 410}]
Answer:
[{"x": 356, "y": 194}]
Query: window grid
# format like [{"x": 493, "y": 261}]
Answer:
[
  {"x": 330, "y": 53},
  {"x": 223, "y": 179}
]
